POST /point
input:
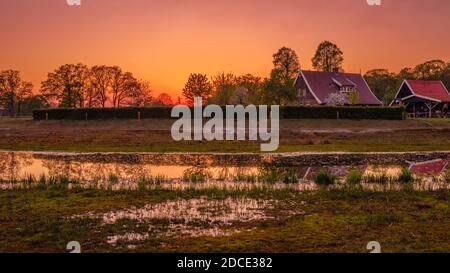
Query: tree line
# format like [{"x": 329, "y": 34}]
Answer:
[
  {"x": 77, "y": 85},
  {"x": 227, "y": 88}
]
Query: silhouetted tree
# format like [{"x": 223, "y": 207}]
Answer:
[
  {"x": 224, "y": 85},
  {"x": 32, "y": 103},
  {"x": 277, "y": 89},
  {"x": 431, "y": 70},
  {"x": 164, "y": 99},
  {"x": 100, "y": 84},
  {"x": 383, "y": 84},
  {"x": 140, "y": 94},
  {"x": 328, "y": 57},
  {"x": 13, "y": 90},
  {"x": 286, "y": 61},
  {"x": 122, "y": 84},
  {"x": 197, "y": 85},
  {"x": 446, "y": 77},
  {"x": 253, "y": 85},
  {"x": 240, "y": 96},
  {"x": 67, "y": 85},
  {"x": 406, "y": 73}
]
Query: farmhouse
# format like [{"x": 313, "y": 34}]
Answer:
[
  {"x": 423, "y": 99},
  {"x": 316, "y": 88}
]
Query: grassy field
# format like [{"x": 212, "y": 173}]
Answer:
[
  {"x": 154, "y": 136},
  {"x": 46, "y": 219},
  {"x": 324, "y": 221}
]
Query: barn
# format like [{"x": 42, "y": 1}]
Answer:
[{"x": 423, "y": 99}]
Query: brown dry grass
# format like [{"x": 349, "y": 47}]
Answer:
[{"x": 153, "y": 135}]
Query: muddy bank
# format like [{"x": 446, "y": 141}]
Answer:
[{"x": 248, "y": 159}]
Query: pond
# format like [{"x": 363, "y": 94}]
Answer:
[{"x": 126, "y": 172}]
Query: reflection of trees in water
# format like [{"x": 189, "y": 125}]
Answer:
[
  {"x": 12, "y": 165},
  {"x": 57, "y": 167},
  {"x": 89, "y": 172},
  {"x": 300, "y": 171}
]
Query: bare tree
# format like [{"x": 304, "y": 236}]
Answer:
[
  {"x": 24, "y": 93},
  {"x": 121, "y": 85},
  {"x": 140, "y": 94},
  {"x": 100, "y": 83},
  {"x": 13, "y": 90},
  {"x": 67, "y": 85}
]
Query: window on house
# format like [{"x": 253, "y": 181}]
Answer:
[
  {"x": 302, "y": 92},
  {"x": 347, "y": 89}
]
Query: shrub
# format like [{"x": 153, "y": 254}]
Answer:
[
  {"x": 289, "y": 177},
  {"x": 113, "y": 179},
  {"x": 354, "y": 177},
  {"x": 405, "y": 176},
  {"x": 341, "y": 112},
  {"x": 195, "y": 175},
  {"x": 325, "y": 178},
  {"x": 41, "y": 184},
  {"x": 278, "y": 175}
]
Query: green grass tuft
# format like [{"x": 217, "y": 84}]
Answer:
[
  {"x": 324, "y": 178},
  {"x": 354, "y": 177}
]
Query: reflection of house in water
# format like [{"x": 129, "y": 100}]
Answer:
[
  {"x": 423, "y": 99},
  {"x": 429, "y": 167}
]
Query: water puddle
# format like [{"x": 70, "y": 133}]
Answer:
[{"x": 186, "y": 218}]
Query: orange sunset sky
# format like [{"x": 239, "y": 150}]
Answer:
[{"x": 163, "y": 41}]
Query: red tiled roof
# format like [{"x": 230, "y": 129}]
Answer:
[
  {"x": 433, "y": 166},
  {"x": 430, "y": 89},
  {"x": 322, "y": 85}
]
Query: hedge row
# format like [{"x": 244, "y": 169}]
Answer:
[
  {"x": 345, "y": 112},
  {"x": 287, "y": 112},
  {"x": 102, "y": 113}
]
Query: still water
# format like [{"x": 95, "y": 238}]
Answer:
[
  {"x": 16, "y": 167},
  {"x": 195, "y": 217}
]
